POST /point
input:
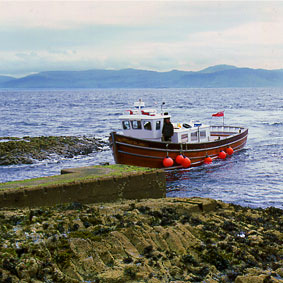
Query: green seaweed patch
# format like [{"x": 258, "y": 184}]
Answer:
[
  {"x": 121, "y": 170},
  {"x": 63, "y": 253},
  {"x": 86, "y": 235},
  {"x": 131, "y": 272},
  {"x": 8, "y": 252}
]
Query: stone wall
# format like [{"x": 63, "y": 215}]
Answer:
[{"x": 132, "y": 185}]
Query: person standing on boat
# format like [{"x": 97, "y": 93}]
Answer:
[{"x": 168, "y": 130}]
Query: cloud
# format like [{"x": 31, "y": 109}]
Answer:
[
  {"x": 256, "y": 33},
  {"x": 158, "y": 35},
  {"x": 67, "y": 14},
  {"x": 70, "y": 14}
]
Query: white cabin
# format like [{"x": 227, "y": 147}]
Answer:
[
  {"x": 192, "y": 132},
  {"x": 145, "y": 123}
]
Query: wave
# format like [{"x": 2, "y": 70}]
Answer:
[{"x": 273, "y": 124}]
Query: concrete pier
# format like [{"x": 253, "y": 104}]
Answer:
[{"x": 85, "y": 185}]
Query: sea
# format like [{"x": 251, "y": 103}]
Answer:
[{"x": 252, "y": 177}]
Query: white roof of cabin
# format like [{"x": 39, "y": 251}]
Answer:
[
  {"x": 143, "y": 117},
  {"x": 141, "y": 113}
]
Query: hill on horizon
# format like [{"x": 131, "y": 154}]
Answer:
[{"x": 214, "y": 76}]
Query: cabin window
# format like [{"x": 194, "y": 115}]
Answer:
[
  {"x": 184, "y": 138},
  {"x": 194, "y": 136},
  {"x": 147, "y": 125},
  {"x": 126, "y": 125},
  {"x": 136, "y": 125},
  {"x": 158, "y": 125},
  {"x": 202, "y": 134}
]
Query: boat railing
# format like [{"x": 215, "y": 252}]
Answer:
[{"x": 226, "y": 129}]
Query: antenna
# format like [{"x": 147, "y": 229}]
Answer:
[
  {"x": 140, "y": 102},
  {"x": 162, "y": 107}
]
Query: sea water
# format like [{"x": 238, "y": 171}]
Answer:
[{"x": 252, "y": 177}]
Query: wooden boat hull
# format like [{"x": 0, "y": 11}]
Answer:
[{"x": 148, "y": 153}]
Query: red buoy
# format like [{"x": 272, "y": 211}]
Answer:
[
  {"x": 207, "y": 160},
  {"x": 229, "y": 150},
  {"x": 186, "y": 162},
  {"x": 168, "y": 162},
  {"x": 179, "y": 159},
  {"x": 222, "y": 154}
]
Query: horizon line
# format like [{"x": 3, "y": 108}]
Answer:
[{"x": 150, "y": 70}]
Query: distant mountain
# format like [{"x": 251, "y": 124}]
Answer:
[
  {"x": 217, "y": 68},
  {"x": 215, "y": 76},
  {"x": 4, "y": 79}
]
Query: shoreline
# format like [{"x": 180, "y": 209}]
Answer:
[{"x": 151, "y": 240}]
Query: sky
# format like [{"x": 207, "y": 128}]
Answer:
[{"x": 153, "y": 35}]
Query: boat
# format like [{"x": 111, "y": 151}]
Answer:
[{"x": 192, "y": 143}]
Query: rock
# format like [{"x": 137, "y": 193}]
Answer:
[
  {"x": 115, "y": 276},
  {"x": 27, "y": 269},
  {"x": 256, "y": 279},
  {"x": 28, "y": 150},
  {"x": 279, "y": 271},
  {"x": 154, "y": 240}
]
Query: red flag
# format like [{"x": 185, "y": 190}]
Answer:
[{"x": 218, "y": 114}]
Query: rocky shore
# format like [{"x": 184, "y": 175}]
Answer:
[
  {"x": 28, "y": 150},
  {"x": 161, "y": 240}
]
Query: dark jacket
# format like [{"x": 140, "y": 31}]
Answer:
[{"x": 168, "y": 130}]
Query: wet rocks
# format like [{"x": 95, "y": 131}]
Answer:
[
  {"x": 162, "y": 240},
  {"x": 28, "y": 150}
]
